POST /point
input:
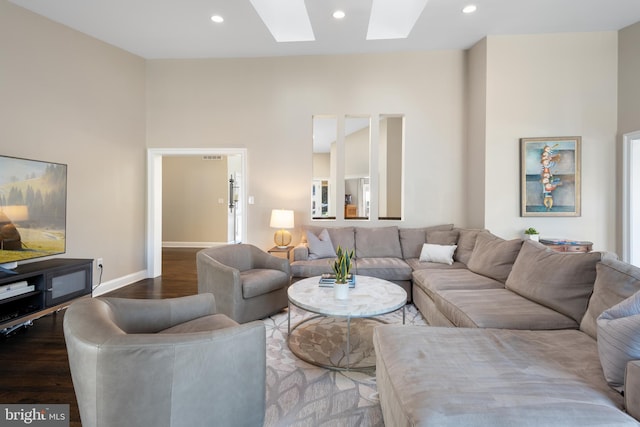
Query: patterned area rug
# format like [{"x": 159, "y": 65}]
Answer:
[{"x": 300, "y": 394}]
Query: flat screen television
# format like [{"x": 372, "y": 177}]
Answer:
[{"x": 33, "y": 209}]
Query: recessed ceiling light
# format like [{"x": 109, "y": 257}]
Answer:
[
  {"x": 217, "y": 19},
  {"x": 393, "y": 19},
  {"x": 469, "y": 8},
  {"x": 339, "y": 14}
]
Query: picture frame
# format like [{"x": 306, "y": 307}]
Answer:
[{"x": 550, "y": 176}]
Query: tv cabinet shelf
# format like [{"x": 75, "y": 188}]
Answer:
[{"x": 56, "y": 282}]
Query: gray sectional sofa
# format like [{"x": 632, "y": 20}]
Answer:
[
  {"x": 522, "y": 336},
  {"x": 519, "y": 334},
  {"x": 389, "y": 253}
]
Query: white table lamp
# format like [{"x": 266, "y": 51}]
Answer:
[{"x": 281, "y": 218}]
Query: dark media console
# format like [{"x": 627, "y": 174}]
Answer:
[{"x": 39, "y": 288}]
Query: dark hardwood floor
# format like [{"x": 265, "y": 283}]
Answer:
[{"x": 33, "y": 362}]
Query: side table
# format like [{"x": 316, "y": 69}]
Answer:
[{"x": 281, "y": 252}]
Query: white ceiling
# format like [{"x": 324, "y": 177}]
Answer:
[{"x": 183, "y": 29}]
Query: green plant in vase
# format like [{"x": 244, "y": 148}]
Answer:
[
  {"x": 532, "y": 233},
  {"x": 342, "y": 268},
  {"x": 342, "y": 265}
]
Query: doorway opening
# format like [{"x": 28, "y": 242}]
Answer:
[
  {"x": 631, "y": 198},
  {"x": 236, "y": 218}
]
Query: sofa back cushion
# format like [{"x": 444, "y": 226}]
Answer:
[
  {"x": 615, "y": 281},
  {"x": 340, "y": 236},
  {"x": 560, "y": 281},
  {"x": 466, "y": 243},
  {"x": 493, "y": 257},
  {"x": 378, "y": 242},
  {"x": 412, "y": 239},
  {"x": 442, "y": 237}
]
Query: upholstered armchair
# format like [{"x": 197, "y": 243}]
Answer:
[
  {"x": 247, "y": 282},
  {"x": 170, "y": 362}
]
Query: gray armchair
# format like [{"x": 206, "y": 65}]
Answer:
[
  {"x": 171, "y": 362},
  {"x": 247, "y": 282}
]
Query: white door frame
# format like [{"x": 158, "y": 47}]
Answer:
[
  {"x": 628, "y": 176},
  {"x": 154, "y": 196}
]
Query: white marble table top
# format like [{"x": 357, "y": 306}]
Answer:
[{"x": 369, "y": 297}]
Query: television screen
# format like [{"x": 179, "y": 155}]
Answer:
[{"x": 33, "y": 207}]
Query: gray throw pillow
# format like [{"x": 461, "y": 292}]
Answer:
[
  {"x": 615, "y": 281},
  {"x": 561, "y": 281},
  {"x": 494, "y": 257},
  {"x": 619, "y": 338},
  {"x": 320, "y": 246}
]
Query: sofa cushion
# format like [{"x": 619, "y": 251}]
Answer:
[
  {"x": 202, "y": 324},
  {"x": 488, "y": 377},
  {"x": 416, "y": 264},
  {"x": 378, "y": 242},
  {"x": 412, "y": 239},
  {"x": 618, "y": 338},
  {"x": 478, "y": 309},
  {"x": 561, "y": 281},
  {"x": 615, "y": 281},
  {"x": 320, "y": 246},
  {"x": 383, "y": 268},
  {"x": 310, "y": 268},
  {"x": 432, "y": 281},
  {"x": 466, "y": 243},
  {"x": 494, "y": 257},
  {"x": 260, "y": 281},
  {"x": 442, "y": 254},
  {"x": 340, "y": 236},
  {"x": 442, "y": 237}
]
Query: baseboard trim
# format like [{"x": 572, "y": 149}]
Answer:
[{"x": 118, "y": 283}]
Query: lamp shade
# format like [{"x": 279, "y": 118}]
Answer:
[{"x": 281, "y": 218}]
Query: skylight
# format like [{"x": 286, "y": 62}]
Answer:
[
  {"x": 287, "y": 20},
  {"x": 393, "y": 19}
]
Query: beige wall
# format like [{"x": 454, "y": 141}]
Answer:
[
  {"x": 476, "y": 120},
  {"x": 71, "y": 99},
  {"x": 552, "y": 85},
  {"x": 629, "y": 80},
  {"x": 266, "y": 105},
  {"x": 192, "y": 189}
]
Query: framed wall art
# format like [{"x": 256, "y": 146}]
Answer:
[{"x": 550, "y": 176}]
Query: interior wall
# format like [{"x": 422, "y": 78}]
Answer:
[
  {"x": 629, "y": 80},
  {"x": 194, "y": 200},
  {"x": 550, "y": 86},
  {"x": 266, "y": 105},
  {"x": 628, "y": 103},
  {"x": 69, "y": 98},
  {"x": 476, "y": 119}
]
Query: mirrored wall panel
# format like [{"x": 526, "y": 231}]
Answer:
[
  {"x": 357, "y": 189},
  {"x": 323, "y": 185},
  {"x": 390, "y": 159}
]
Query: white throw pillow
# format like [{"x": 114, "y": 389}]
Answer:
[
  {"x": 320, "y": 246},
  {"x": 442, "y": 254},
  {"x": 619, "y": 338}
]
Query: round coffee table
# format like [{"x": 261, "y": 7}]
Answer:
[{"x": 328, "y": 342}]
